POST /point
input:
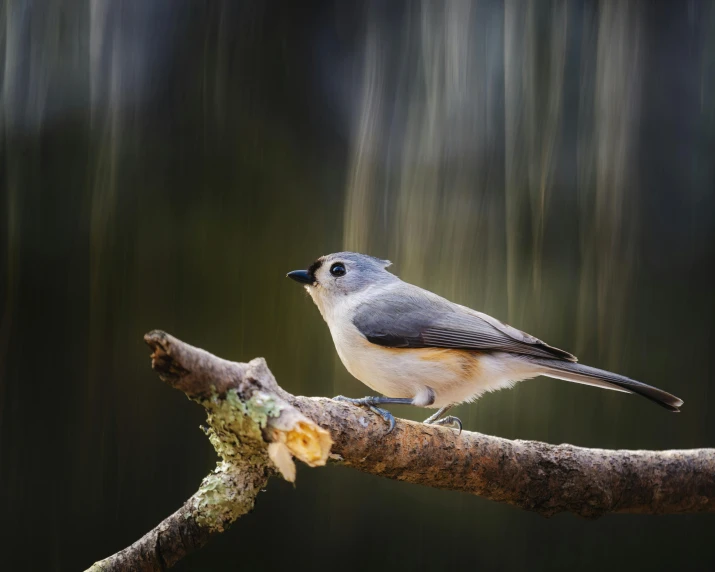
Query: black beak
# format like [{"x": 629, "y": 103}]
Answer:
[{"x": 302, "y": 276}]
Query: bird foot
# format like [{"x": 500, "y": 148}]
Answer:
[
  {"x": 449, "y": 421},
  {"x": 369, "y": 403}
]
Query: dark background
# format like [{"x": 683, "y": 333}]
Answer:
[{"x": 164, "y": 164}]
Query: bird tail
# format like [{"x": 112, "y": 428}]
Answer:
[{"x": 577, "y": 373}]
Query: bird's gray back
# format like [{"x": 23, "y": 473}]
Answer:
[{"x": 406, "y": 316}]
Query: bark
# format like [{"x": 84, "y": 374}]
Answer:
[
  {"x": 257, "y": 428},
  {"x": 531, "y": 475}
]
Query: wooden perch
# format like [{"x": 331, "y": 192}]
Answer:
[{"x": 257, "y": 428}]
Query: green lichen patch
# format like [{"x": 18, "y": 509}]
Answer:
[
  {"x": 225, "y": 494},
  {"x": 261, "y": 406},
  {"x": 235, "y": 431},
  {"x": 235, "y": 426}
]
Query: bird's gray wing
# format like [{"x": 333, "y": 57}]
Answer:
[{"x": 406, "y": 316}]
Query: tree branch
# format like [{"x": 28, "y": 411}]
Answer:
[{"x": 256, "y": 428}]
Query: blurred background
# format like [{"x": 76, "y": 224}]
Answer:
[{"x": 164, "y": 164}]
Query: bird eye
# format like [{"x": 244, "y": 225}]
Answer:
[{"x": 337, "y": 269}]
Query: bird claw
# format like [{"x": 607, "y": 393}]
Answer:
[
  {"x": 450, "y": 421},
  {"x": 369, "y": 403},
  {"x": 386, "y": 415}
]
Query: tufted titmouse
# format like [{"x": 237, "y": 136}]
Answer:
[{"x": 417, "y": 348}]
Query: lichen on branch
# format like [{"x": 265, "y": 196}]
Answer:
[{"x": 254, "y": 431}]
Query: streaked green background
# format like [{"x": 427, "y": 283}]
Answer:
[{"x": 165, "y": 163}]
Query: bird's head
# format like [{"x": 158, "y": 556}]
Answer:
[{"x": 334, "y": 276}]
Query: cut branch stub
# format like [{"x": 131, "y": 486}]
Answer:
[
  {"x": 252, "y": 428},
  {"x": 245, "y": 405}
]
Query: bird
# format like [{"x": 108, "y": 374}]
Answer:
[{"x": 417, "y": 348}]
